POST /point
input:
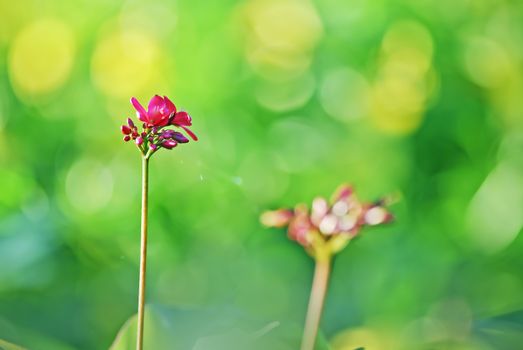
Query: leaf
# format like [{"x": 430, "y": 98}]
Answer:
[
  {"x": 4, "y": 345},
  {"x": 28, "y": 339},
  {"x": 219, "y": 329},
  {"x": 503, "y": 331},
  {"x": 156, "y": 334}
]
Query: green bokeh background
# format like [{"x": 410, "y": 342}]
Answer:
[{"x": 290, "y": 98}]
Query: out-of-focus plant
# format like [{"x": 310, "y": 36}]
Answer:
[
  {"x": 157, "y": 132},
  {"x": 324, "y": 231}
]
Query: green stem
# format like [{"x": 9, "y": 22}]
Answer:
[
  {"x": 143, "y": 254},
  {"x": 317, "y": 299}
]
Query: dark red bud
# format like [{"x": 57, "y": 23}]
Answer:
[
  {"x": 127, "y": 138},
  {"x": 130, "y": 122},
  {"x": 125, "y": 129}
]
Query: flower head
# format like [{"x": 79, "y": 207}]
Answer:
[
  {"x": 161, "y": 114},
  {"x": 328, "y": 225},
  {"x": 158, "y": 111}
]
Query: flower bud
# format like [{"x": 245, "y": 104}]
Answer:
[
  {"x": 276, "y": 218},
  {"x": 169, "y": 144},
  {"x": 125, "y": 129},
  {"x": 153, "y": 146},
  {"x": 179, "y": 137},
  {"x": 127, "y": 138},
  {"x": 130, "y": 123},
  {"x": 167, "y": 134},
  {"x": 139, "y": 140}
]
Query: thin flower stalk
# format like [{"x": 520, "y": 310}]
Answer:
[{"x": 158, "y": 130}]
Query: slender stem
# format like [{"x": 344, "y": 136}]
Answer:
[
  {"x": 316, "y": 301},
  {"x": 143, "y": 253}
]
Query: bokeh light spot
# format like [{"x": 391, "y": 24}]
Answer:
[
  {"x": 366, "y": 338},
  {"x": 487, "y": 63},
  {"x": 262, "y": 182},
  {"x": 281, "y": 34},
  {"x": 494, "y": 216},
  {"x": 288, "y": 95},
  {"x": 296, "y": 138},
  {"x": 406, "y": 36},
  {"x": 88, "y": 186},
  {"x": 41, "y": 57},
  {"x": 404, "y": 81},
  {"x": 287, "y": 25},
  {"x": 344, "y": 94},
  {"x": 124, "y": 63}
]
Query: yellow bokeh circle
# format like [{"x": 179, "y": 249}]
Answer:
[
  {"x": 124, "y": 63},
  {"x": 41, "y": 57}
]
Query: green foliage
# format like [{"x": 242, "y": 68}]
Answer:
[
  {"x": 289, "y": 98},
  {"x": 8, "y": 346},
  {"x": 203, "y": 330}
]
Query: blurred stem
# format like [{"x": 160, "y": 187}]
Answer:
[
  {"x": 143, "y": 253},
  {"x": 316, "y": 301}
]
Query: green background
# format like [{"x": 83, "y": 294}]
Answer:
[{"x": 419, "y": 99}]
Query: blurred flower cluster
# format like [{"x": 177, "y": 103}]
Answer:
[
  {"x": 160, "y": 114},
  {"x": 328, "y": 227}
]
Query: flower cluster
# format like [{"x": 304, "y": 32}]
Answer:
[
  {"x": 328, "y": 226},
  {"x": 161, "y": 114}
]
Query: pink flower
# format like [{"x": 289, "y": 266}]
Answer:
[
  {"x": 344, "y": 216},
  {"x": 161, "y": 114},
  {"x": 158, "y": 111}
]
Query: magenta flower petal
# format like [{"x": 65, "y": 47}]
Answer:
[
  {"x": 142, "y": 114},
  {"x": 190, "y": 133},
  {"x": 156, "y": 118},
  {"x": 169, "y": 105},
  {"x": 182, "y": 119},
  {"x": 156, "y": 102}
]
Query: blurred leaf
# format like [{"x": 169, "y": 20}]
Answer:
[
  {"x": 9, "y": 346},
  {"x": 503, "y": 331},
  {"x": 170, "y": 329},
  {"x": 28, "y": 339}
]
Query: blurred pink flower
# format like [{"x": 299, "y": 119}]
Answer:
[{"x": 345, "y": 215}]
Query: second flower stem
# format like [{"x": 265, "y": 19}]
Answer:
[
  {"x": 317, "y": 299},
  {"x": 143, "y": 254}
]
